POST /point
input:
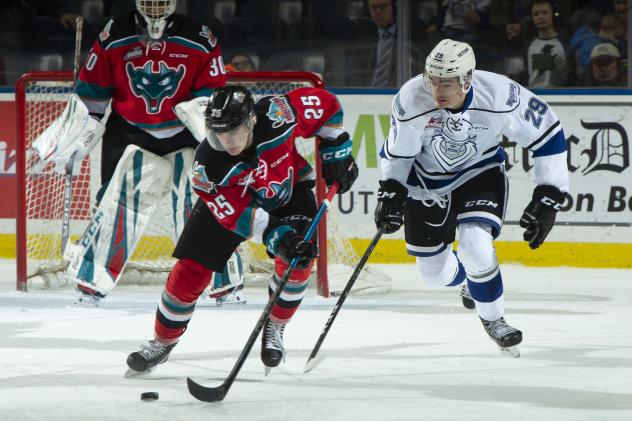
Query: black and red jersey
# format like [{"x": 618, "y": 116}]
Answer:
[
  {"x": 241, "y": 190},
  {"x": 144, "y": 78}
]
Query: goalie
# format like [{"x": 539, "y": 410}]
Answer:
[
  {"x": 144, "y": 63},
  {"x": 254, "y": 184}
]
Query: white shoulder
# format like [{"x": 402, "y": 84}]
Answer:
[
  {"x": 413, "y": 100},
  {"x": 494, "y": 92}
]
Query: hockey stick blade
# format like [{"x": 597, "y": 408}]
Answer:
[
  {"x": 215, "y": 394},
  {"x": 206, "y": 394},
  {"x": 311, "y": 361}
]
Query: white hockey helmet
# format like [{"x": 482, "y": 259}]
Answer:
[
  {"x": 451, "y": 58},
  {"x": 156, "y": 13}
]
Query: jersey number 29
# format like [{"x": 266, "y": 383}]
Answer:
[{"x": 535, "y": 111}]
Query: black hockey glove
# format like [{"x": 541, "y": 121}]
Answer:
[
  {"x": 337, "y": 162},
  {"x": 389, "y": 213},
  {"x": 539, "y": 215},
  {"x": 287, "y": 244}
]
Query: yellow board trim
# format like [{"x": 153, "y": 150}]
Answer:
[{"x": 584, "y": 255}]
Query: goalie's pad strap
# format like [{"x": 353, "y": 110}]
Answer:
[
  {"x": 124, "y": 212},
  {"x": 73, "y": 131}
]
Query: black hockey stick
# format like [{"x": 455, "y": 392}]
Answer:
[
  {"x": 70, "y": 165},
  {"x": 215, "y": 394},
  {"x": 311, "y": 361}
]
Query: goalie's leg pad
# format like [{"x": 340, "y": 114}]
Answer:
[
  {"x": 122, "y": 216},
  {"x": 230, "y": 278},
  {"x": 293, "y": 292},
  {"x": 180, "y": 193},
  {"x": 484, "y": 280},
  {"x": 186, "y": 282}
]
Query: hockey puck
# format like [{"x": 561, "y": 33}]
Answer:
[{"x": 149, "y": 396}]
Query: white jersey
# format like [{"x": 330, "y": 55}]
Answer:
[{"x": 433, "y": 151}]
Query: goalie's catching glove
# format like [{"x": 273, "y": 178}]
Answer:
[
  {"x": 539, "y": 215},
  {"x": 389, "y": 213},
  {"x": 337, "y": 162},
  {"x": 287, "y": 244}
]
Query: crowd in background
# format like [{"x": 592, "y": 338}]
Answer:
[{"x": 355, "y": 43}]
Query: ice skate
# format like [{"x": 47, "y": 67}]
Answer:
[
  {"x": 232, "y": 296},
  {"x": 506, "y": 337},
  {"x": 272, "y": 350},
  {"x": 150, "y": 355},
  {"x": 466, "y": 298}
]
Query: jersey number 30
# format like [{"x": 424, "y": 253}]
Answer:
[{"x": 535, "y": 111}]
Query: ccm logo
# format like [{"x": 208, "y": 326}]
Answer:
[
  {"x": 343, "y": 153},
  {"x": 481, "y": 202},
  {"x": 551, "y": 203}
]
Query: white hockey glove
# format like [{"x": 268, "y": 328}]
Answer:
[
  {"x": 191, "y": 114},
  {"x": 74, "y": 131}
]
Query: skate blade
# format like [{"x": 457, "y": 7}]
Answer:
[
  {"x": 267, "y": 370},
  {"x": 228, "y": 303},
  {"x": 511, "y": 351},
  {"x": 131, "y": 374}
]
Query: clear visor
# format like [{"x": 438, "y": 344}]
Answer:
[
  {"x": 235, "y": 141},
  {"x": 443, "y": 86}
]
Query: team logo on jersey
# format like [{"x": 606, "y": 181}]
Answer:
[
  {"x": 105, "y": 33},
  {"x": 154, "y": 86},
  {"x": 398, "y": 106},
  {"x": 275, "y": 194},
  {"x": 435, "y": 122},
  {"x": 452, "y": 145},
  {"x": 206, "y": 33},
  {"x": 513, "y": 95},
  {"x": 280, "y": 112},
  {"x": 199, "y": 179},
  {"x": 135, "y": 52}
]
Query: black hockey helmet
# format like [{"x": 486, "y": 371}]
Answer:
[{"x": 228, "y": 107}]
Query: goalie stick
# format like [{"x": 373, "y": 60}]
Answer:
[
  {"x": 65, "y": 223},
  {"x": 311, "y": 361},
  {"x": 215, "y": 394}
]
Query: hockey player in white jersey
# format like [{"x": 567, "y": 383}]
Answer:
[{"x": 443, "y": 170}]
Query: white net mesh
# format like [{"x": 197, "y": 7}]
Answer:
[{"x": 151, "y": 260}]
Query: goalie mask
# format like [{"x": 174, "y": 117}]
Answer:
[
  {"x": 156, "y": 14},
  {"x": 230, "y": 119},
  {"x": 448, "y": 72}
]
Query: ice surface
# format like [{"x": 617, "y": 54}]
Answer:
[{"x": 411, "y": 354}]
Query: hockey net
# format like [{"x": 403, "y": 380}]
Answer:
[{"x": 40, "y": 98}]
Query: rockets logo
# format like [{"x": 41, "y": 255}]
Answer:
[
  {"x": 199, "y": 179},
  {"x": 154, "y": 86},
  {"x": 206, "y": 33},
  {"x": 276, "y": 194},
  {"x": 280, "y": 112}
]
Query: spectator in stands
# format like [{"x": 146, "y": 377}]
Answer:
[
  {"x": 385, "y": 66},
  {"x": 36, "y": 25},
  {"x": 605, "y": 67},
  {"x": 241, "y": 62},
  {"x": 609, "y": 29},
  {"x": 461, "y": 20},
  {"x": 546, "y": 57}
]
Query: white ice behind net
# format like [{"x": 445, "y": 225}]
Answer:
[{"x": 151, "y": 261}]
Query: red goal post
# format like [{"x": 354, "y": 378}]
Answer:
[{"x": 40, "y": 98}]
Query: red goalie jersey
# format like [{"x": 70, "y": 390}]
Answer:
[
  {"x": 242, "y": 190},
  {"x": 144, "y": 78}
]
